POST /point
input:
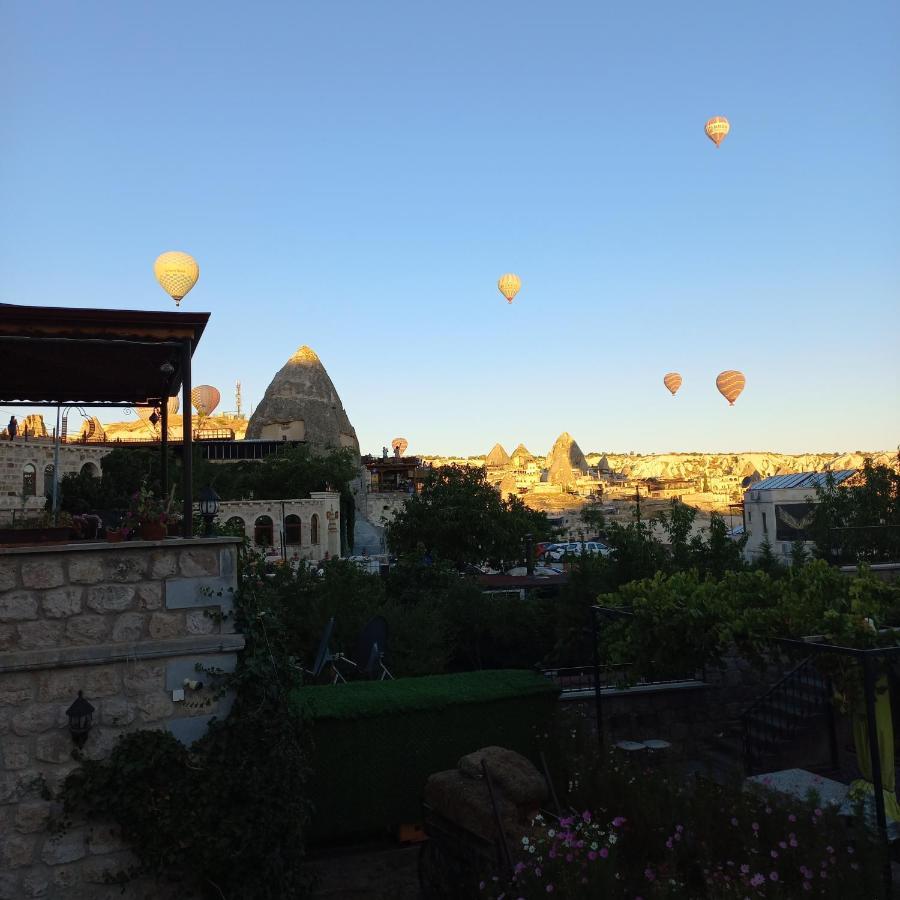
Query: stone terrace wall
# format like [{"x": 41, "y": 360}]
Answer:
[{"x": 126, "y": 624}]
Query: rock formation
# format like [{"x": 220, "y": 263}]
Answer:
[
  {"x": 565, "y": 462},
  {"x": 498, "y": 458},
  {"x": 521, "y": 456},
  {"x": 301, "y": 404},
  {"x": 33, "y": 425}
]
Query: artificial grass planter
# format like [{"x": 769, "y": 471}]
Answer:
[{"x": 377, "y": 742}]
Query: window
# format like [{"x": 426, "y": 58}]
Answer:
[
  {"x": 236, "y": 525},
  {"x": 749, "y": 515},
  {"x": 48, "y": 478},
  {"x": 263, "y": 533},
  {"x": 765, "y": 524},
  {"x": 90, "y": 468},
  {"x": 29, "y": 480},
  {"x": 292, "y": 530},
  {"x": 314, "y": 529}
]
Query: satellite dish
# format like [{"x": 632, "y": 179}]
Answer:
[
  {"x": 370, "y": 649},
  {"x": 324, "y": 655}
]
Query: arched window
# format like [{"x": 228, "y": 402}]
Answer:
[
  {"x": 48, "y": 478},
  {"x": 314, "y": 529},
  {"x": 263, "y": 533},
  {"x": 292, "y": 529},
  {"x": 236, "y": 525},
  {"x": 91, "y": 469},
  {"x": 29, "y": 480}
]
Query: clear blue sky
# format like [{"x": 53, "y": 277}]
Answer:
[{"x": 356, "y": 176}]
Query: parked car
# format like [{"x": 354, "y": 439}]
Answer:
[{"x": 578, "y": 548}]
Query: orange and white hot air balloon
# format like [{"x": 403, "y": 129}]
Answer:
[
  {"x": 399, "y": 445},
  {"x": 730, "y": 384},
  {"x": 717, "y": 128},
  {"x": 205, "y": 398},
  {"x": 509, "y": 285},
  {"x": 672, "y": 381}
]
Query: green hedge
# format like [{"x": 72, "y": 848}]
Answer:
[{"x": 376, "y": 743}]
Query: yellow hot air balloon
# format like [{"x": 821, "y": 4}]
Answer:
[
  {"x": 177, "y": 273},
  {"x": 509, "y": 285},
  {"x": 672, "y": 381},
  {"x": 717, "y": 128},
  {"x": 205, "y": 398},
  {"x": 730, "y": 384},
  {"x": 173, "y": 405}
]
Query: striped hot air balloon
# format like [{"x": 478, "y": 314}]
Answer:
[
  {"x": 730, "y": 384},
  {"x": 717, "y": 128},
  {"x": 205, "y": 398},
  {"x": 399, "y": 445},
  {"x": 672, "y": 381},
  {"x": 509, "y": 285}
]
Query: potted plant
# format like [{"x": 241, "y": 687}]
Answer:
[
  {"x": 147, "y": 515},
  {"x": 38, "y": 529}
]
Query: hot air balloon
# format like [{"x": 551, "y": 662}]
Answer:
[
  {"x": 173, "y": 405},
  {"x": 145, "y": 414},
  {"x": 177, "y": 273},
  {"x": 399, "y": 445},
  {"x": 717, "y": 128},
  {"x": 205, "y": 398},
  {"x": 672, "y": 381},
  {"x": 509, "y": 285},
  {"x": 730, "y": 384}
]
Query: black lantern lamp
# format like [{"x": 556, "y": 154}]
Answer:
[
  {"x": 80, "y": 714},
  {"x": 209, "y": 506}
]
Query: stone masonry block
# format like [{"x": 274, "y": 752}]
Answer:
[
  {"x": 34, "y": 635},
  {"x": 62, "y": 603},
  {"x": 64, "y": 848},
  {"x": 8, "y": 637},
  {"x": 35, "y": 719},
  {"x": 9, "y": 886},
  {"x": 198, "y": 622},
  {"x": 144, "y": 677},
  {"x": 197, "y": 562},
  {"x": 103, "y": 681},
  {"x": 166, "y": 625},
  {"x": 88, "y": 629},
  {"x": 154, "y": 707},
  {"x": 163, "y": 563},
  {"x": 100, "y": 743},
  {"x": 105, "y": 839},
  {"x": 105, "y": 869},
  {"x": 7, "y": 576},
  {"x": 110, "y": 598},
  {"x": 117, "y": 712},
  {"x": 35, "y": 884},
  {"x": 15, "y": 753},
  {"x": 42, "y": 573},
  {"x": 87, "y": 569},
  {"x": 17, "y": 606},
  {"x": 33, "y": 816},
  {"x": 66, "y": 877},
  {"x": 54, "y": 747},
  {"x": 128, "y": 627},
  {"x": 150, "y": 595},
  {"x": 16, "y": 689},
  {"x": 127, "y": 567},
  {"x": 16, "y": 850}
]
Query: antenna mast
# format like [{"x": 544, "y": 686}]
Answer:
[{"x": 237, "y": 398}]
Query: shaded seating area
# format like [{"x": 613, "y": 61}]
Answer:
[{"x": 55, "y": 356}]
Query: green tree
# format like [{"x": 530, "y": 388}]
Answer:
[{"x": 461, "y": 518}]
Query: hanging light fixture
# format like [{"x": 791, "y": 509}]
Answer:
[{"x": 80, "y": 715}]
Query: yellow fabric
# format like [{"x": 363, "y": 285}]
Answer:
[{"x": 885, "y": 728}]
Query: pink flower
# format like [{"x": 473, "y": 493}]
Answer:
[
  {"x": 755, "y": 826},
  {"x": 773, "y": 854},
  {"x": 792, "y": 818},
  {"x": 757, "y": 880},
  {"x": 669, "y": 843},
  {"x": 619, "y": 821},
  {"x": 603, "y": 853},
  {"x": 773, "y": 876},
  {"x": 745, "y": 869},
  {"x": 679, "y": 828},
  {"x": 591, "y": 855},
  {"x": 783, "y": 845},
  {"x": 734, "y": 821},
  {"x": 649, "y": 874},
  {"x": 817, "y": 812},
  {"x": 549, "y": 888},
  {"x": 807, "y": 886},
  {"x": 586, "y": 816}
]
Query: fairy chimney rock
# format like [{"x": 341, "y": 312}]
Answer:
[
  {"x": 565, "y": 461},
  {"x": 498, "y": 458},
  {"x": 301, "y": 404}
]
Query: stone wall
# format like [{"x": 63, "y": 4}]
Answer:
[
  {"x": 15, "y": 455},
  {"x": 126, "y": 624}
]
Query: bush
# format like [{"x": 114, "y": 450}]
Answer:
[{"x": 376, "y": 743}]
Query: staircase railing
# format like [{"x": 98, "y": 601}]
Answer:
[{"x": 782, "y": 713}]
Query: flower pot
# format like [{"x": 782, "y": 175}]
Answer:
[
  {"x": 152, "y": 531},
  {"x": 173, "y": 529},
  {"x": 114, "y": 535}
]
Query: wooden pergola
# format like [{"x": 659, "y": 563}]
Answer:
[{"x": 51, "y": 356}]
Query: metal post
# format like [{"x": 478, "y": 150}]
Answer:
[
  {"x": 875, "y": 759},
  {"x": 55, "y": 504},
  {"x": 164, "y": 447},
  {"x": 598, "y": 702},
  {"x": 529, "y": 555},
  {"x": 187, "y": 475}
]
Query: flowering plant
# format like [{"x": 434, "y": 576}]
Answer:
[{"x": 146, "y": 508}]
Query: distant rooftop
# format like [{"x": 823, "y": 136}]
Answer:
[{"x": 801, "y": 480}]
